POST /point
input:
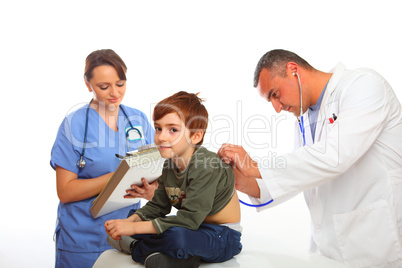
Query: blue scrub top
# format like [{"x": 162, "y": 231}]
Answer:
[{"x": 77, "y": 230}]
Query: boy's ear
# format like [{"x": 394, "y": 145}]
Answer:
[{"x": 197, "y": 136}]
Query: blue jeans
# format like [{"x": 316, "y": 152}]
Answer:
[{"x": 211, "y": 242}]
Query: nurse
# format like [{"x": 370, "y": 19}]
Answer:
[
  {"x": 347, "y": 159},
  {"x": 83, "y": 156}
]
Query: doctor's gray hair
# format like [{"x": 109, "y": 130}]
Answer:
[{"x": 276, "y": 61}]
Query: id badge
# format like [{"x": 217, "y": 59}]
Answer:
[{"x": 134, "y": 134}]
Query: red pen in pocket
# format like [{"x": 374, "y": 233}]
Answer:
[{"x": 332, "y": 119}]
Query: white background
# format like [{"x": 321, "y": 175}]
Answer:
[{"x": 210, "y": 47}]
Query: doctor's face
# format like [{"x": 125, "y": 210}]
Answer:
[
  {"x": 107, "y": 87},
  {"x": 282, "y": 92}
]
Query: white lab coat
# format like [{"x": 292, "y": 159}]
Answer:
[{"x": 352, "y": 175}]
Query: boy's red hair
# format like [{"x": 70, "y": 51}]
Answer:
[{"x": 188, "y": 107}]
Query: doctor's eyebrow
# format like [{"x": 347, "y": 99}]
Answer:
[{"x": 270, "y": 95}]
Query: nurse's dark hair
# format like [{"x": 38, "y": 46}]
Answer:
[
  {"x": 104, "y": 57},
  {"x": 187, "y": 106},
  {"x": 276, "y": 61}
]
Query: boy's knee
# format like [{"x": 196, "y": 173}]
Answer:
[{"x": 178, "y": 237}]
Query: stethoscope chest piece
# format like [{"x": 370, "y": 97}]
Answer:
[
  {"x": 81, "y": 162},
  {"x": 133, "y": 134}
]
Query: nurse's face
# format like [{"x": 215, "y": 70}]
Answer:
[
  {"x": 282, "y": 92},
  {"x": 107, "y": 87}
]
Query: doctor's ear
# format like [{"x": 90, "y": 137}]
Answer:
[{"x": 292, "y": 68}]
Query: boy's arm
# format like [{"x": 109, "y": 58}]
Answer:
[
  {"x": 134, "y": 218},
  {"x": 159, "y": 206},
  {"x": 117, "y": 228},
  {"x": 197, "y": 203}
]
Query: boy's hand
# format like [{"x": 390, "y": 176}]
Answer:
[
  {"x": 117, "y": 228},
  {"x": 146, "y": 191}
]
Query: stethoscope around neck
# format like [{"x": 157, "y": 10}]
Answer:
[
  {"x": 301, "y": 121},
  {"x": 81, "y": 162}
]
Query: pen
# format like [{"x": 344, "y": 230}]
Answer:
[
  {"x": 332, "y": 120},
  {"x": 119, "y": 156}
]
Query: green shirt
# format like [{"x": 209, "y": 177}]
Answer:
[{"x": 203, "y": 189}]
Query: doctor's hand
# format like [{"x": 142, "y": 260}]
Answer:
[
  {"x": 146, "y": 191},
  {"x": 247, "y": 185},
  {"x": 239, "y": 159}
]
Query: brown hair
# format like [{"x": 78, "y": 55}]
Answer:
[
  {"x": 188, "y": 107},
  {"x": 104, "y": 57}
]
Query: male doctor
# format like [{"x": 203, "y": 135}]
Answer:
[{"x": 350, "y": 168}]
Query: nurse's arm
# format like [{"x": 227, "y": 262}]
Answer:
[{"x": 71, "y": 189}]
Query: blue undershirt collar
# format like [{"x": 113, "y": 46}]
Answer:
[{"x": 313, "y": 112}]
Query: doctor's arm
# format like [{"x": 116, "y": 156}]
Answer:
[
  {"x": 71, "y": 189},
  {"x": 247, "y": 185},
  {"x": 363, "y": 114}
]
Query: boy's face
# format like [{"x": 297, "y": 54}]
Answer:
[{"x": 173, "y": 138}]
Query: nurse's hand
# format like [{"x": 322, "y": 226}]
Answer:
[
  {"x": 146, "y": 191},
  {"x": 238, "y": 157}
]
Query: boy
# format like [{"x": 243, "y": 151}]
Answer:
[{"x": 197, "y": 183}]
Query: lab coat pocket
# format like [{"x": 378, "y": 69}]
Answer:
[
  {"x": 331, "y": 113},
  {"x": 329, "y": 127},
  {"x": 368, "y": 236}
]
